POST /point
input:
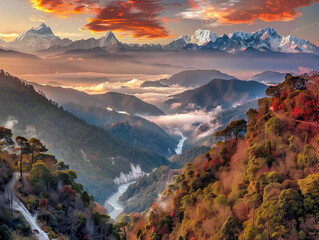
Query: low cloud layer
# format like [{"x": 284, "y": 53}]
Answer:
[{"x": 185, "y": 121}]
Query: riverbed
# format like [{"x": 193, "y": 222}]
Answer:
[{"x": 114, "y": 200}]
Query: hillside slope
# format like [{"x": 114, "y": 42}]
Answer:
[
  {"x": 140, "y": 131},
  {"x": 116, "y": 101},
  {"x": 97, "y": 155},
  {"x": 47, "y": 203},
  {"x": 195, "y": 78},
  {"x": 218, "y": 92},
  {"x": 261, "y": 186}
]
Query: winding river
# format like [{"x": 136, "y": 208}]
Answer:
[
  {"x": 114, "y": 200},
  {"x": 179, "y": 148}
]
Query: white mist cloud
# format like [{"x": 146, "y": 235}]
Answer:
[
  {"x": 184, "y": 121},
  {"x": 10, "y": 122}
]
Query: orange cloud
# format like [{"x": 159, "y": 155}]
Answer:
[
  {"x": 138, "y": 17},
  {"x": 194, "y": 5},
  {"x": 65, "y": 7},
  {"x": 247, "y": 11}
]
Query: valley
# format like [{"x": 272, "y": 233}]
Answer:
[{"x": 201, "y": 136}]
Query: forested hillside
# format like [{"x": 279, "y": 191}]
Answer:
[
  {"x": 263, "y": 185},
  {"x": 47, "y": 190},
  {"x": 94, "y": 153}
]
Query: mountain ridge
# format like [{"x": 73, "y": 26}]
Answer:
[
  {"x": 262, "y": 39},
  {"x": 218, "y": 92}
]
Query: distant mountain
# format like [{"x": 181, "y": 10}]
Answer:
[
  {"x": 42, "y": 39},
  {"x": 109, "y": 42},
  {"x": 115, "y": 101},
  {"x": 92, "y": 52},
  {"x": 202, "y": 37},
  {"x": 195, "y": 78},
  {"x": 269, "y": 77},
  {"x": 134, "y": 129},
  {"x": 178, "y": 44},
  {"x": 295, "y": 45},
  {"x": 15, "y": 54},
  {"x": 2, "y": 42},
  {"x": 97, "y": 155},
  {"x": 156, "y": 84},
  {"x": 36, "y": 39},
  {"x": 224, "y": 93},
  {"x": 141, "y": 47},
  {"x": 266, "y": 39}
]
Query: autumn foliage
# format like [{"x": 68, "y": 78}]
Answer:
[{"x": 261, "y": 186}]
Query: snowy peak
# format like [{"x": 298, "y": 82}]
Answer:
[
  {"x": 185, "y": 38},
  {"x": 294, "y": 44},
  {"x": 178, "y": 44},
  {"x": 42, "y": 29},
  {"x": 108, "y": 39},
  {"x": 201, "y": 37},
  {"x": 37, "y": 38},
  {"x": 267, "y": 32},
  {"x": 266, "y": 39}
]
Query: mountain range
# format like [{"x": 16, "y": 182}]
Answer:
[{"x": 267, "y": 39}]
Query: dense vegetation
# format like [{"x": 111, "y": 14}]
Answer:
[
  {"x": 47, "y": 188},
  {"x": 95, "y": 154},
  {"x": 178, "y": 161},
  {"x": 261, "y": 186},
  {"x": 141, "y": 195}
]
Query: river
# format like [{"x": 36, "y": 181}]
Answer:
[
  {"x": 179, "y": 148},
  {"x": 114, "y": 200}
]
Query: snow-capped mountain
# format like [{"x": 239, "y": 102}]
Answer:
[
  {"x": 178, "y": 44},
  {"x": 293, "y": 44},
  {"x": 108, "y": 41},
  {"x": 36, "y": 39},
  {"x": 201, "y": 37},
  {"x": 266, "y": 39}
]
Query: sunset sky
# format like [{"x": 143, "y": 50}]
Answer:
[{"x": 159, "y": 21}]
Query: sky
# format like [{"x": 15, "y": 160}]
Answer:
[{"x": 159, "y": 21}]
